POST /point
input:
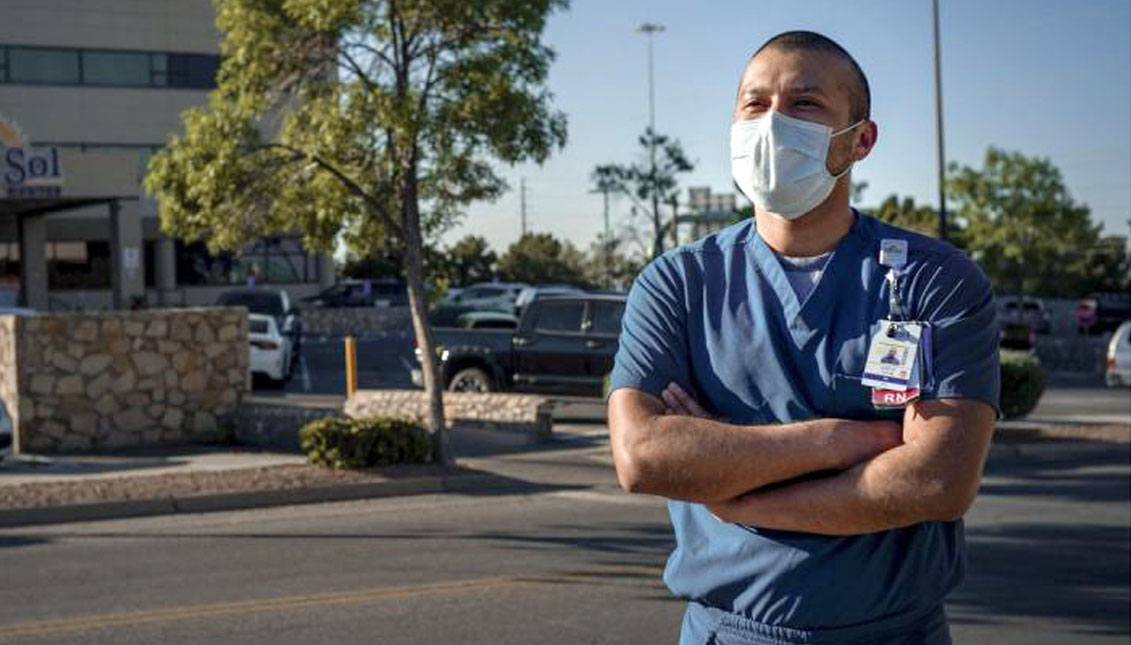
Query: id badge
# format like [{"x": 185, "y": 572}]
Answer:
[
  {"x": 884, "y": 399},
  {"x": 892, "y": 356}
]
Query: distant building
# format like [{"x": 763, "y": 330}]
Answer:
[{"x": 88, "y": 91}]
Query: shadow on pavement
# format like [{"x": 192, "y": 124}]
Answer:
[
  {"x": 1075, "y": 573},
  {"x": 1093, "y": 472}
]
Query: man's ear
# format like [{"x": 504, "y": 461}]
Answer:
[{"x": 869, "y": 133}]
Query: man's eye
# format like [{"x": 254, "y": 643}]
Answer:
[{"x": 807, "y": 103}]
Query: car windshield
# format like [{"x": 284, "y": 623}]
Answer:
[{"x": 257, "y": 303}]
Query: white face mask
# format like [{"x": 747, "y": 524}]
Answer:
[{"x": 779, "y": 163}]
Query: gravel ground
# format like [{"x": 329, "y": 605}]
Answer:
[
  {"x": 285, "y": 477},
  {"x": 135, "y": 487}
]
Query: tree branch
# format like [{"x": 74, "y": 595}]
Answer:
[{"x": 349, "y": 183}]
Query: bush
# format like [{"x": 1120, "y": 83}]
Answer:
[
  {"x": 359, "y": 443},
  {"x": 1022, "y": 383}
]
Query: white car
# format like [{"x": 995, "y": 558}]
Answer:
[
  {"x": 1118, "y": 370},
  {"x": 271, "y": 352},
  {"x": 274, "y": 330},
  {"x": 497, "y": 296}
]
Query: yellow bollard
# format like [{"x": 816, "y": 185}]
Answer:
[{"x": 351, "y": 366}]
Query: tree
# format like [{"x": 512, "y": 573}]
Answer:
[
  {"x": 905, "y": 213},
  {"x": 648, "y": 182},
  {"x": 1021, "y": 225},
  {"x": 538, "y": 258},
  {"x": 368, "y": 120},
  {"x": 470, "y": 260},
  {"x": 609, "y": 264}
]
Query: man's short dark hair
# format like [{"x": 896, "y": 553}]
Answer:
[{"x": 861, "y": 95}]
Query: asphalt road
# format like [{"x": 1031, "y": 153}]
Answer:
[{"x": 570, "y": 561}]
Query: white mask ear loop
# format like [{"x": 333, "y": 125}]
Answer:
[{"x": 842, "y": 131}]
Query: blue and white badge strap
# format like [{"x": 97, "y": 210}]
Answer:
[
  {"x": 895, "y": 307},
  {"x": 893, "y": 255}
]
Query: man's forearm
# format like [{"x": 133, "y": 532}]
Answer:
[
  {"x": 703, "y": 460},
  {"x": 872, "y": 496},
  {"x": 932, "y": 477}
]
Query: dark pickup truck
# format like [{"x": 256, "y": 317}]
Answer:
[{"x": 563, "y": 345}]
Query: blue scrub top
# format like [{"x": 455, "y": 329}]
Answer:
[{"x": 720, "y": 318}]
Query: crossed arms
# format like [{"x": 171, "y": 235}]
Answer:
[{"x": 886, "y": 475}]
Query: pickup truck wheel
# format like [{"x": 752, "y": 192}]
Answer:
[{"x": 470, "y": 379}]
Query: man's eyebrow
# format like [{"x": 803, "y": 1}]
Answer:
[{"x": 750, "y": 90}]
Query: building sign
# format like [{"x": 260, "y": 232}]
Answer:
[{"x": 27, "y": 172}]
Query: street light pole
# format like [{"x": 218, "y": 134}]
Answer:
[
  {"x": 649, "y": 29},
  {"x": 939, "y": 119}
]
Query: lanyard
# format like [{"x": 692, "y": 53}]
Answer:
[{"x": 895, "y": 308}]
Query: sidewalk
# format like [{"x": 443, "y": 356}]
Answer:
[{"x": 189, "y": 479}]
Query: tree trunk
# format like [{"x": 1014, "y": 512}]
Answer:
[
  {"x": 658, "y": 230},
  {"x": 418, "y": 305}
]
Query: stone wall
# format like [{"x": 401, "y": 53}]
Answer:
[
  {"x": 88, "y": 381},
  {"x": 274, "y": 424},
  {"x": 524, "y": 412},
  {"x": 356, "y": 321}
]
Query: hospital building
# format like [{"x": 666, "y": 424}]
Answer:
[{"x": 89, "y": 90}]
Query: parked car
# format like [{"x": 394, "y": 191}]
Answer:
[
  {"x": 563, "y": 344},
  {"x": 487, "y": 295},
  {"x": 530, "y": 294},
  {"x": 351, "y": 293},
  {"x": 1118, "y": 371},
  {"x": 1027, "y": 311},
  {"x": 272, "y": 354},
  {"x": 274, "y": 329},
  {"x": 488, "y": 320},
  {"x": 361, "y": 293},
  {"x": 1101, "y": 312}
]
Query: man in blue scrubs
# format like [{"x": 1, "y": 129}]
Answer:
[{"x": 803, "y": 511}]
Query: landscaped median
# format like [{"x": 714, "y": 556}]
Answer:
[{"x": 40, "y": 491}]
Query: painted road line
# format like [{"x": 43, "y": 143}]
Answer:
[{"x": 87, "y": 623}]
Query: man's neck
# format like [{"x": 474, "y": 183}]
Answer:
[{"x": 818, "y": 231}]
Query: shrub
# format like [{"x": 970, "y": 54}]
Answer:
[
  {"x": 1022, "y": 383},
  {"x": 359, "y": 443}
]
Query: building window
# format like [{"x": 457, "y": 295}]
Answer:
[
  {"x": 276, "y": 260},
  {"x": 196, "y": 71},
  {"x": 116, "y": 68},
  {"x": 9, "y": 260},
  {"x": 78, "y": 265},
  {"x": 149, "y": 252},
  {"x": 58, "y": 66},
  {"x": 43, "y": 66}
]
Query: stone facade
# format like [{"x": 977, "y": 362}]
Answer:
[
  {"x": 274, "y": 424},
  {"x": 89, "y": 381},
  {"x": 356, "y": 321},
  {"x": 523, "y": 412}
]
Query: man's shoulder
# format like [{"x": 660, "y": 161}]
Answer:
[
  {"x": 687, "y": 260},
  {"x": 922, "y": 250}
]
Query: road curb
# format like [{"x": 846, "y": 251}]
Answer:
[{"x": 470, "y": 483}]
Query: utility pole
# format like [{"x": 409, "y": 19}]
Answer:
[
  {"x": 649, "y": 29},
  {"x": 608, "y": 243},
  {"x": 604, "y": 185},
  {"x": 522, "y": 202},
  {"x": 939, "y": 119}
]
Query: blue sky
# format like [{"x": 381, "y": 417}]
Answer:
[{"x": 1049, "y": 78}]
